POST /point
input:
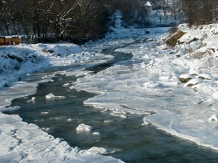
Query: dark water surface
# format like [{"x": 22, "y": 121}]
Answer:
[{"x": 125, "y": 139}]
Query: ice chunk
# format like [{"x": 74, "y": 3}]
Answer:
[
  {"x": 123, "y": 116},
  {"x": 32, "y": 99},
  {"x": 45, "y": 129},
  {"x": 95, "y": 133},
  {"x": 97, "y": 150},
  {"x": 108, "y": 121},
  {"x": 69, "y": 120},
  {"x": 44, "y": 113},
  {"x": 60, "y": 97},
  {"x": 72, "y": 87},
  {"x": 66, "y": 85},
  {"x": 52, "y": 96},
  {"x": 82, "y": 127}
]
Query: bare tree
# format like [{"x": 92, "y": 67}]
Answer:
[{"x": 200, "y": 12}]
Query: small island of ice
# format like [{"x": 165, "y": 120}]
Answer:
[{"x": 84, "y": 128}]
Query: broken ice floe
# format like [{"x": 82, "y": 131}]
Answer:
[
  {"x": 95, "y": 133},
  {"x": 84, "y": 128},
  {"x": 44, "y": 113},
  {"x": 69, "y": 120},
  {"x": 97, "y": 150},
  {"x": 66, "y": 85},
  {"x": 52, "y": 96}
]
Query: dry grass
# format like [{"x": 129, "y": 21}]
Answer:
[{"x": 174, "y": 38}]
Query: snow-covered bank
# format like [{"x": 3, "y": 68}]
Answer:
[
  {"x": 20, "y": 61},
  {"x": 153, "y": 85}
]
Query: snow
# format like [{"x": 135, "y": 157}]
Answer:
[
  {"x": 205, "y": 77},
  {"x": 148, "y": 86},
  {"x": 192, "y": 82},
  {"x": 186, "y": 76}
]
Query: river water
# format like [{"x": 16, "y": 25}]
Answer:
[{"x": 125, "y": 139}]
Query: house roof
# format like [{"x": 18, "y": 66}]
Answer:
[{"x": 148, "y": 4}]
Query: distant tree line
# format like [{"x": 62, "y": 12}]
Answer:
[
  {"x": 75, "y": 20},
  {"x": 136, "y": 12},
  {"x": 199, "y": 12}
]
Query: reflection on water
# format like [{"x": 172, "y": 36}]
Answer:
[{"x": 126, "y": 139}]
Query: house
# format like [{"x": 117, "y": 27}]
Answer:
[
  {"x": 16, "y": 40},
  {"x": 10, "y": 40},
  {"x": 148, "y": 5}
]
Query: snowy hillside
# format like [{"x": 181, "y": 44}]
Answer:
[{"x": 197, "y": 52}]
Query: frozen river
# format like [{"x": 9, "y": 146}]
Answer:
[
  {"x": 125, "y": 139},
  {"x": 123, "y": 135}
]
